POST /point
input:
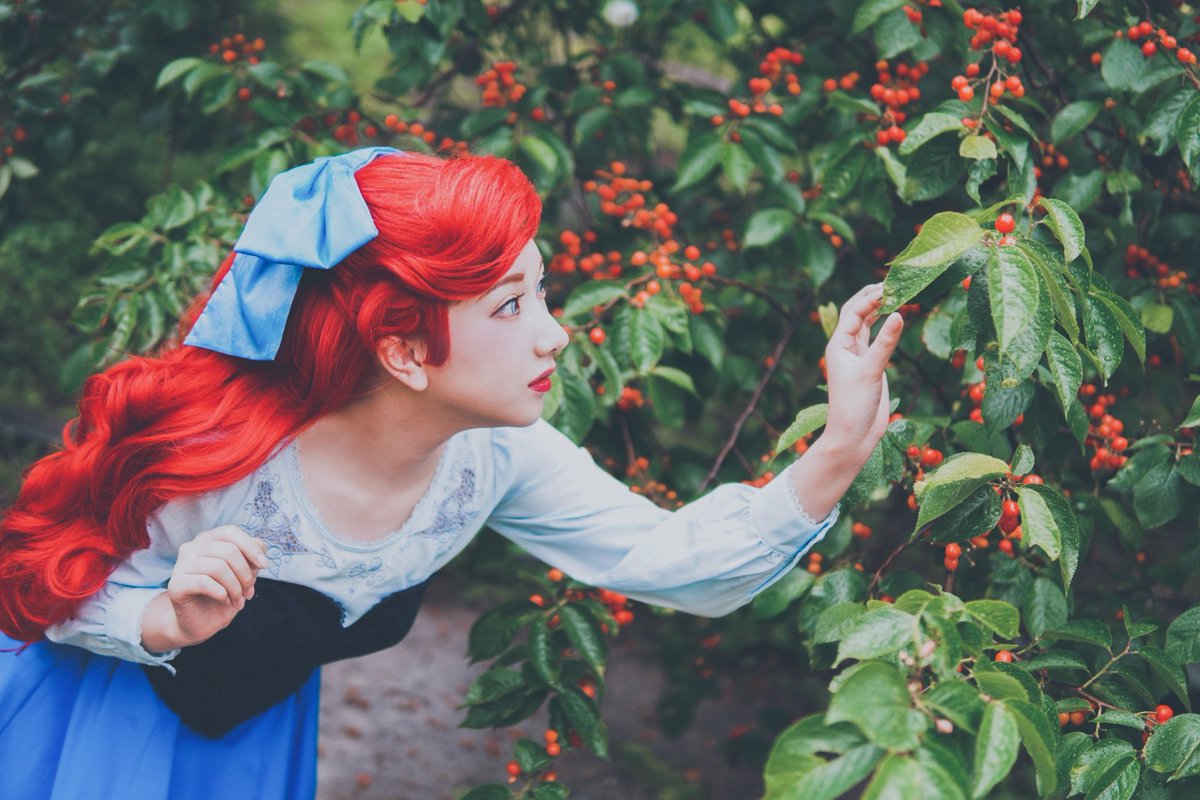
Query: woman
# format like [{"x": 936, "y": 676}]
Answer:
[{"x": 360, "y": 394}]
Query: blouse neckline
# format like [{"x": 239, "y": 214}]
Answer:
[{"x": 362, "y": 545}]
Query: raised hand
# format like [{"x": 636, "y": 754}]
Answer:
[
  {"x": 213, "y": 578},
  {"x": 858, "y": 388}
]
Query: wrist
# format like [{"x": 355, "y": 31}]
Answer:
[
  {"x": 160, "y": 626},
  {"x": 840, "y": 450}
]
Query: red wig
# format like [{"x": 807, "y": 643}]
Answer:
[{"x": 190, "y": 421}]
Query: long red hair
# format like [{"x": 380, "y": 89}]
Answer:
[{"x": 189, "y": 421}]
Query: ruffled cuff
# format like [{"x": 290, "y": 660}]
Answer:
[
  {"x": 782, "y": 522},
  {"x": 123, "y": 625}
]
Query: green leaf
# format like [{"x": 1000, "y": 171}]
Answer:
[
  {"x": 1054, "y": 274},
  {"x": 1168, "y": 670},
  {"x": 701, "y": 158},
  {"x": 1066, "y": 370},
  {"x": 1060, "y": 527},
  {"x": 175, "y": 70},
  {"x": 1118, "y": 782},
  {"x": 1044, "y": 606},
  {"x": 589, "y": 295},
  {"x": 835, "y": 621},
  {"x": 1040, "y": 739},
  {"x": 894, "y": 167},
  {"x": 1127, "y": 320},
  {"x": 1163, "y": 118},
  {"x": 22, "y": 168},
  {"x": 875, "y": 699},
  {"x": 977, "y": 147},
  {"x": 930, "y": 125},
  {"x": 841, "y": 173},
  {"x": 1066, "y": 225},
  {"x": 1123, "y": 64},
  {"x": 1157, "y": 317},
  {"x": 491, "y": 634},
  {"x": 1187, "y": 131},
  {"x": 943, "y": 239},
  {"x": 1158, "y": 495},
  {"x": 737, "y": 164},
  {"x": 1103, "y": 334},
  {"x": 870, "y": 11},
  {"x": 1089, "y": 631},
  {"x": 765, "y": 227},
  {"x": 492, "y": 685},
  {"x": 581, "y": 713},
  {"x": 995, "y": 749},
  {"x": 1183, "y": 637},
  {"x": 1071, "y": 121},
  {"x": 542, "y": 155},
  {"x": 807, "y": 421},
  {"x": 996, "y": 615},
  {"x": 585, "y": 637},
  {"x": 776, "y": 598},
  {"x": 1085, "y": 8},
  {"x": 877, "y": 633},
  {"x": 958, "y": 702},
  {"x": 1013, "y": 291},
  {"x": 577, "y": 411},
  {"x": 827, "y": 780},
  {"x": 489, "y": 791},
  {"x": 647, "y": 341},
  {"x": 543, "y": 653},
  {"x": 1174, "y": 747},
  {"x": 953, "y": 481}
]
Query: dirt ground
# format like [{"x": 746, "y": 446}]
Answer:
[{"x": 389, "y": 726}]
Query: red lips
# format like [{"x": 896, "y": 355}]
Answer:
[{"x": 542, "y": 384}]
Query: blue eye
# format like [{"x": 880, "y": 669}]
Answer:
[
  {"x": 511, "y": 307},
  {"x": 541, "y": 287}
]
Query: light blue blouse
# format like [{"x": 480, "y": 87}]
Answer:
[{"x": 532, "y": 485}]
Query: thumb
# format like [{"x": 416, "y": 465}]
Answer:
[{"x": 885, "y": 343}]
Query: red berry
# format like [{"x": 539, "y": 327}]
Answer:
[
  {"x": 597, "y": 335},
  {"x": 513, "y": 768},
  {"x": 951, "y": 564},
  {"x": 1078, "y": 717},
  {"x": 953, "y": 550},
  {"x": 1149, "y": 49},
  {"x": 1004, "y": 655},
  {"x": 1010, "y": 508},
  {"x": 1005, "y": 223},
  {"x": 1163, "y": 713},
  {"x": 966, "y": 94}
]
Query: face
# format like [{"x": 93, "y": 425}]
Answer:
[{"x": 502, "y": 349}]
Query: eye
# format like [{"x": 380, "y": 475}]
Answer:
[
  {"x": 510, "y": 308},
  {"x": 541, "y": 287}
]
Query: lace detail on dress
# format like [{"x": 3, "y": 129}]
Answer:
[
  {"x": 455, "y": 510},
  {"x": 269, "y": 523},
  {"x": 800, "y": 510}
]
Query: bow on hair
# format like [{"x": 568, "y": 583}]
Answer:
[{"x": 311, "y": 216}]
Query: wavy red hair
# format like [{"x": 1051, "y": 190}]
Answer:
[{"x": 189, "y": 421}]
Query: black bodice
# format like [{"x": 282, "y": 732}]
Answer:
[{"x": 269, "y": 651}]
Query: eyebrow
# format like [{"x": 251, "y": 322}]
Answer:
[{"x": 517, "y": 277}]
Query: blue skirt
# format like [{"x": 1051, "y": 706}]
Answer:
[{"x": 74, "y": 725}]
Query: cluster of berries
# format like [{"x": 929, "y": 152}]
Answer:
[
  {"x": 761, "y": 480},
  {"x": 500, "y": 86},
  {"x": 925, "y": 456},
  {"x": 347, "y": 127},
  {"x": 1140, "y": 262},
  {"x": 1000, "y": 31},
  {"x": 233, "y": 48},
  {"x": 914, "y": 14},
  {"x": 19, "y": 135},
  {"x": 656, "y": 491},
  {"x": 896, "y": 88},
  {"x": 778, "y": 63},
  {"x": 1152, "y": 39},
  {"x": 630, "y": 399},
  {"x": 845, "y": 83},
  {"x": 1050, "y": 159},
  {"x": 1104, "y": 431}
]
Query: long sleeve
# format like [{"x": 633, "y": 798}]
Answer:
[
  {"x": 110, "y": 622},
  {"x": 707, "y": 558}
]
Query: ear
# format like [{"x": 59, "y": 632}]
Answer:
[{"x": 404, "y": 360}]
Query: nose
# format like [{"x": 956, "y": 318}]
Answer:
[{"x": 551, "y": 337}]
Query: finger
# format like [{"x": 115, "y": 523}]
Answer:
[
  {"x": 856, "y": 310},
  {"x": 219, "y": 570},
  {"x": 885, "y": 343},
  {"x": 185, "y": 588},
  {"x": 253, "y": 549},
  {"x": 231, "y": 554}
]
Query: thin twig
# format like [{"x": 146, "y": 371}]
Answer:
[{"x": 789, "y": 329}]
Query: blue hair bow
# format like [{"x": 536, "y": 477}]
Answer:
[{"x": 311, "y": 216}]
